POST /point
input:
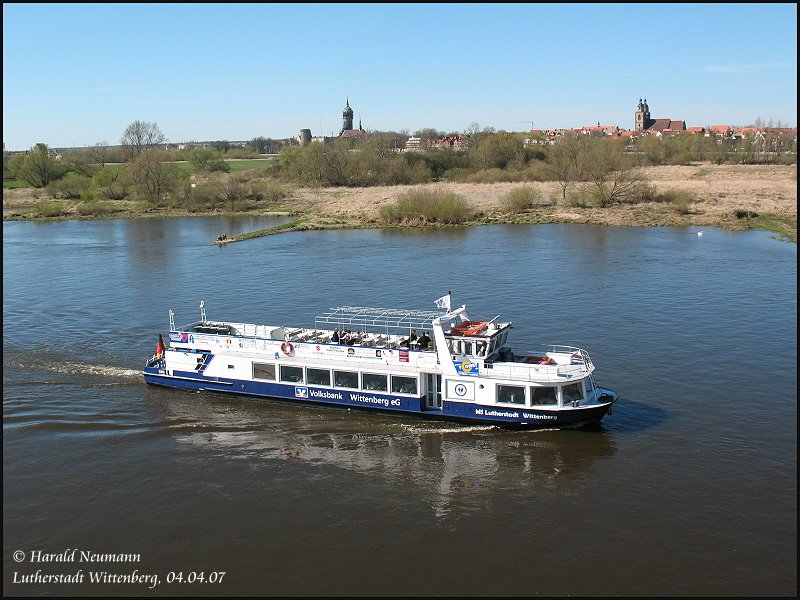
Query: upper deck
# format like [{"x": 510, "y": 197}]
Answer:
[{"x": 456, "y": 342}]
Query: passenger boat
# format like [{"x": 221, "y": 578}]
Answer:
[{"x": 467, "y": 371}]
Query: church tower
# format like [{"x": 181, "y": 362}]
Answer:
[
  {"x": 347, "y": 118},
  {"x": 643, "y": 120}
]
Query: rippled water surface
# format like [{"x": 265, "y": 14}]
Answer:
[{"x": 689, "y": 487}]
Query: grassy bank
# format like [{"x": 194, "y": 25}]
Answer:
[{"x": 732, "y": 197}]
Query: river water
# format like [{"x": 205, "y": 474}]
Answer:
[{"x": 688, "y": 488}]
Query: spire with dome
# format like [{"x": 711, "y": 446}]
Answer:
[{"x": 347, "y": 117}]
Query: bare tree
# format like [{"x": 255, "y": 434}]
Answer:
[
  {"x": 151, "y": 174},
  {"x": 610, "y": 178},
  {"x": 564, "y": 162},
  {"x": 80, "y": 163},
  {"x": 260, "y": 144},
  {"x": 99, "y": 153},
  {"x": 140, "y": 136}
]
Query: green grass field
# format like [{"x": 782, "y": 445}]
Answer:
[
  {"x": 185, "y": 168},
  {"x": 243, "y": 165},
  {"x": 13, "y": 184}
]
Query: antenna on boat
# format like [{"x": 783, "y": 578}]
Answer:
[
  {"x": 171, "y": 320},
  {"x": 202, "y": 311}
]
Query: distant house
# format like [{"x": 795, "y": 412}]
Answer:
[
  {"x": 667, "y": 125},
  {"x": 412, "y": 144},
  {"x": 599, "y": 130},
  {"x": 454, "y": 142},
  {"x": 720, "y": 130}
]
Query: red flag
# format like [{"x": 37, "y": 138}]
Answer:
[{"x": 160, "y": 346}]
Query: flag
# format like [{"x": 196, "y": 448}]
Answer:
[
  {"x": 160, "y": 347},
  {"x": 443, "y": 302}
]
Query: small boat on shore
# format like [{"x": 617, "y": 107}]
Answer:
[{"x": 457, "y": 369}]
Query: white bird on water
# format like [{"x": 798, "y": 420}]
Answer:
[{"x": 699, "y": 234}]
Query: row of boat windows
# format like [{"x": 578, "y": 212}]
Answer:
[
  {"x": 571, "y": 394},
  {"x": 376, "y": 382}
]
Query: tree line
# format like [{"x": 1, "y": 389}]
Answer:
[{"x": 601, "y": 169}]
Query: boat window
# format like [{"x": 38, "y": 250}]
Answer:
[
  {"x": 404, "y": 385},
  {"x": 543, "y": 396},
  {"x": 264, "y": 371},
  {"x": 318, "y": 377},
  {"x": 480, "y": 349},
  {"x": 468, "y": 348},
  {"x": 511, "y": 394},
  {"x": 292, "y": 374},
  {"x": 572, "y": 394},
  {"x": 345, "y": 379},
  {"x": 589, "y": 385},
  {"x": 373, "y": 381}
]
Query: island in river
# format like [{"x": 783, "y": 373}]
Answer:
[{"x": 733, "y": 197}]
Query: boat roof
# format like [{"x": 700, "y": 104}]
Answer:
[{"x": 385, "y": 319}]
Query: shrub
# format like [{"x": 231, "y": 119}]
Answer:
[
  {"x": 521, "y": 199},
  {"x": 111, "y": 183},
  {"x": 536, "y": 170},
  {"x": 420, "y": 207},
  {"x": 577, "y": 200},
  {"x": 639, "y": 192},
  {"x": 208, "y": 160},
  {"x": 269, "y": 191},
  {"x": 51, "y": 209},
  {"x": 457, "y": 174},
  {"x": 69, "y": 186},
  {"x": 96, "y": 208},
  {"x": 681, "y": 203}
]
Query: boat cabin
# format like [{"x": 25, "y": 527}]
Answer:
[{"x": 480, "y": 340}]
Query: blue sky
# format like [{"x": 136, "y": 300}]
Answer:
[{"x": 78, "y": 74}]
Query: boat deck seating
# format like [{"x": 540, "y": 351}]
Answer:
[
  {"x": 215, "y": 329},
  {"x": 318, "y": 336}
]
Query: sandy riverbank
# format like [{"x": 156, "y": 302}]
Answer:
[{"x": 720, "y": 191}]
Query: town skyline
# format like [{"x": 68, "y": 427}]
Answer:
[{"x": 282, "y": 68}]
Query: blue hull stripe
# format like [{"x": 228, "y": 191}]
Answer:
[{"x": 461, "y": 411}]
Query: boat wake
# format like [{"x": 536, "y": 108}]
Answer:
[
  {"x": 418, "y": 429},
  {"x": 49, "y": 360}
]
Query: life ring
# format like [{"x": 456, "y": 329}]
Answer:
[{"x": 287, "y": 348}]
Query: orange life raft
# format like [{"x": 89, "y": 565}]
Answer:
[{"x": 469, "y": 328}]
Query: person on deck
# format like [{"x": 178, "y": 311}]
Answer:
[{"x": 424, "y": 341}]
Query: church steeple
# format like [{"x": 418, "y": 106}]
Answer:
[
  {"x": 347, "y": 117},
  {"x": 643, "y": 120}
]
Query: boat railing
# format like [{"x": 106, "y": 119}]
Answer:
[
  {"x": 567, "y": 362},
  {"x": 561, "y": 354},
  {"x": 386, "y": 321},
  {"x": 519, "y": 372},
  {"x": 154, "y": 361}
]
